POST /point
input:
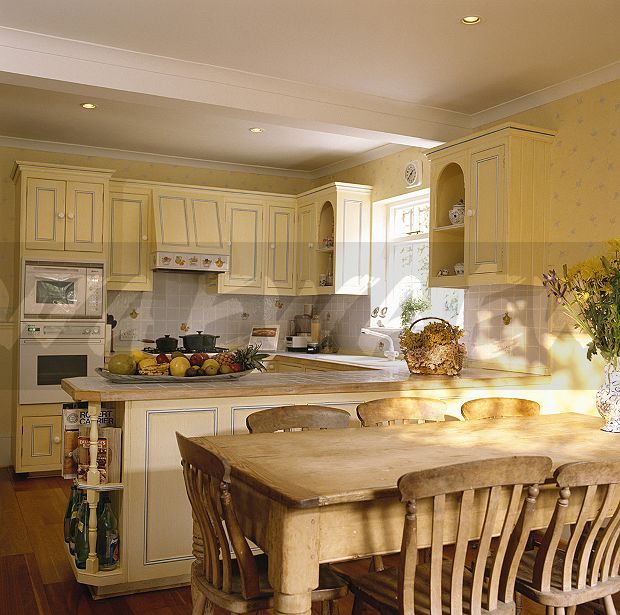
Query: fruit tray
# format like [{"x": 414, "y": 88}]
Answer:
[{"x": 142, "y": 379}]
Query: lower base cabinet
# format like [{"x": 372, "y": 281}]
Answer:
[{"x": 39, "y": 438}]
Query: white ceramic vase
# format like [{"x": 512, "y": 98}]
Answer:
[{"x": 608, "y": 399}]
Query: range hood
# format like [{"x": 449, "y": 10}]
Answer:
[{"x": 181, "y": 261}]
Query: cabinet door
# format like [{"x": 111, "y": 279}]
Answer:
[
  {"x": 41, "y": 441},
  {"x": 244, "y": 221},
  {"x": 207, "y": 222},
  {"x": 45, "y": 214},
  {"x": 172, "y": 222},
  {"x": 486, "y": 231},
  {"x": 129, "y": 242},
  {"x": 84, "y": 217},
  {"x": 306, "y": 248},
  {"x": 352, "y": 267},
  {"x": 280, "y": 266}
]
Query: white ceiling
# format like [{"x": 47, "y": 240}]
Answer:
[{"x": 329, "y": 80}]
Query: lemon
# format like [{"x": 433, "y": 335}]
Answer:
[
  {"x": 178, "y": 366},
  {"x": 138, "y": 355},
  {"x": 122, "y": 364},
  {"x": 211, "y": 367}
]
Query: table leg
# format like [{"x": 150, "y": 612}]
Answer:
[{"x": 293, "y": 558}]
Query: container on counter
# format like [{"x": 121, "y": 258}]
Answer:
[
  {"x": 315, "y": 329},
  {"x": 313, "y": 348}
]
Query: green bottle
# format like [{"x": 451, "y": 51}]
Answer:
[
  {"x": 68, "y": 512},
  {"x": 74, "y": 521},
  {"x": 81, "y": 535},
  {"x": 107, "y": 537}
]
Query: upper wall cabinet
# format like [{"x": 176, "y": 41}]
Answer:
[
  {"x": 62, "y": 208},
  {"x": 333, "y": 247},
  {"x": 489, "y": 207},
  {"x": 189, "y": 220},
  {"x": 129, "y": 258}
]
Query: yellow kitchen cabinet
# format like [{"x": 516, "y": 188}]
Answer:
[
  {"x": 189, "y": 220},
  {"x": 501, "y": 176},
  {"x": 62, "y": 208},
  {"x": 334, "y": 240},
  {"x": 244, "y": 223},
  {"x": 39, "y": 439},
  {"x": 129, "y": 258},
  {"x": 280, "y": 277}
]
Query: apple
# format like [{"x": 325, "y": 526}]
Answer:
[
  {"x": 197, "y": 359},
  {"x": 235, "y": 367},
  {"x": 225, "y": 369},
  {"x": 162, "y": 358}
]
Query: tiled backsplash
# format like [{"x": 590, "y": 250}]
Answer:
[
  {"x": 519, "y": 345},
  {"x": 179, "y": 298}
]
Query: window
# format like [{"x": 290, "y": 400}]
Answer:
[{"x": 401, "y": 264}]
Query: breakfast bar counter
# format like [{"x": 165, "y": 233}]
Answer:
[{"x": 155, "y": 520}]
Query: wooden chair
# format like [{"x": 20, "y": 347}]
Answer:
[
  {"x": 402, "y": 411},
  {"x": 499, "y": 407},
  {"x": 289, "y": 418},
  {"x": 469, "y": 501},
  {"x": 238, "y": 585},
  {"x": 562, "y": 575}
]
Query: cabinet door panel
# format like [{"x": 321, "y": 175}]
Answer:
[
  {"x": 208, "y": 224},
  {"x": 45, "y": 214},
  {"x": 352, "y": 247},
  {"x": 486, "y": 237},
  {"x": 281, "y": 241},
  {"x": 172, "y": 222},
  {"x": 41, "y": 440},
  {"x": 84, "y": 217},
  {"x": 129, "y": 223},
  {"x": 245, "y": 233},
  {"x": 306, "y": 250}
]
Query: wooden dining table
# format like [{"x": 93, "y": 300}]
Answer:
[{"x": 325, "y": 496}]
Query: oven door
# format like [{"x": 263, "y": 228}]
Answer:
[
  {"x": 56, "y": 292},
  {"x": 44, "y": 363}
]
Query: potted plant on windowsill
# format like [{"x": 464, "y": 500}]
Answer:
[
  {"x": 590, "y": 293},
  {"x": 411, "y": 306}
]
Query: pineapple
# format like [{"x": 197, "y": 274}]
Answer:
[
  {"x": 225, "y": 358},
  {"x": 250, "y": 358}
]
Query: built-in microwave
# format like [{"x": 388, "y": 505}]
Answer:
[{"x": 63, "y": 290}]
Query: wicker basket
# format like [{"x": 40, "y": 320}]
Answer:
[{"x": 444, "y": 359}]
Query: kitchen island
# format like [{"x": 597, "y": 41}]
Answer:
[{"x": 154, "y": 514}]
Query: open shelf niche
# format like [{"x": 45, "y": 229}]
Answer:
[
  {"x": 325, "y": 249},
  {"x": 447, "y": 240}
]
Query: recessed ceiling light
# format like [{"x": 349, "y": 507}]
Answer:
[
  {"x": 470, "y": 20},
  {"x": 256, "y": 129},
  {"x": 88, "y": 105}
]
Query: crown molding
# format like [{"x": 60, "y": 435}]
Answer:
[
  {"x": 587, "y": 81},
  {"x": 358, "y": 159}
]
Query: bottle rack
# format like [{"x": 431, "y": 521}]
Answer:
[{"x": 91, "y": 575}]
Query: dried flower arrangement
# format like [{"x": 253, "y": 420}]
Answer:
[{"x": 434, "y": 350}]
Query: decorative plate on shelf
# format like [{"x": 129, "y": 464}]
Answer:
[{"x": 140, "y": 379}]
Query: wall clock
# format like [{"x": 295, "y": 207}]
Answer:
[{"x": 413, "y": 174}]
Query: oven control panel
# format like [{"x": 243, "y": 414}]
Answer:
[{"x": 55, "y": 330}]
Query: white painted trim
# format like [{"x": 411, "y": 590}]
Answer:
[
  {"x": 353, "y": 161},
  {"x": 597, "y": 77},
  {"x": 423, "y": 195}
]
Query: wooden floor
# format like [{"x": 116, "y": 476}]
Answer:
[{"x": 35, "y": 576}]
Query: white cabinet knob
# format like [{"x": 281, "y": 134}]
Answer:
[
  {"x": 470, "y": 213},
  {"x": 56, "y": 439},
  {"x": 272, "y": 246},
  {"x": 144, "y": 237},
  {"x": 70, "y": 216},
  {"x": 61, "y": 215},
  {"x": 311, "y": 245}
]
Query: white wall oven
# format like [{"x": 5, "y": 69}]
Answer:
[
  {"x": 63, "y": 291},
  {"x": 51, "y": 351}
]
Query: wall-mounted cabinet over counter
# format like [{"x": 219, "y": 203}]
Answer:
[
  {"x": 489, "y": 207},
  {"x": 62, "y": 209},
  {"x": 333, "y": 241}
]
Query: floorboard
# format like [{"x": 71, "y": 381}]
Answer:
[{"x": 36, "y": 579}]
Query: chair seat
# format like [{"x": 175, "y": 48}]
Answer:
[
  {"x": 331, "y": 587},
  {"x": 556, "y": 596},
  {"x": 380, "y": 589}
]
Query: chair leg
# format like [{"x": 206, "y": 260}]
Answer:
[
  {"x": 571, "y": 610},
  {"x": 560, "y": 611},
  {"x": 357, "y": 606},
  {"x": 610, "y": 607},
  {"x": 550, "y": 610},
  {"x": 199, "y": 601},
  {"x": 329, "y": 607},
  {"x": 518, "y": 603},
  {"x": 376, "y": 564}
]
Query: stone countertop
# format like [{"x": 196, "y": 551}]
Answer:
[{"x": 375, "y": 374}]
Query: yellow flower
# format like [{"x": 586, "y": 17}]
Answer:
[{"x": 588, "y": 269}]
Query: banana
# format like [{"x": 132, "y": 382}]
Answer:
[{"x": 154, "y": 370}]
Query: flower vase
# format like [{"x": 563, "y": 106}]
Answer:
[{"x": 608, "y": 399}]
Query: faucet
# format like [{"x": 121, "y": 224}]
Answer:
[{"x": 391, "y": 354}]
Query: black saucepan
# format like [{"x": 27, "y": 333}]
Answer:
[{"x": 199, "y": 342}]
